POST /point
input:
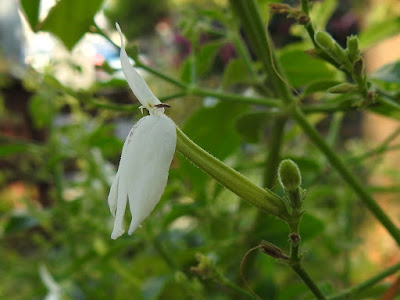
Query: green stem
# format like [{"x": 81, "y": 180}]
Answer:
[
  {"x": 347, "y": 176},
  {"x": 325, "y": 108},
  {"x": 253, "y": 25},
  {"x": 173, "y": 96},
  {"x": 382, "y": 148},
  {"x": 308, "y": 281},
  {"x": 234, "y": 97},
  {"x": 244, "y": 53},
  {"x": 351, "y": 292},
  {"x": 334, "y": 129},
  {"x": 225, "y": 281},
  {"x": 304, "y": 6},
  {"x": 139, "y": 64},
  {"x": 308, "y": 26},
  {"x": 274, "y": 146},
  {"x": 263, "y": 199},
  {"x": 161, "y": 75},
  {"x": 295, "y": 260}
]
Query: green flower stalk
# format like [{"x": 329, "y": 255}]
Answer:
[{"x": 263, "y": 199}]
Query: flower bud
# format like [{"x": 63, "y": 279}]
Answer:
[
  {"x": 342, "y": 88},
  {"x": 352, "y": 48},
  {"x": 289, "y": 175},
  {"x": 324, "y": 40},
  {"x": 358, "y": 67},
  {"x": 272, "y": 250}
]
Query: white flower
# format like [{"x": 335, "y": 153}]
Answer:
[{"x": 146, "y": 156}]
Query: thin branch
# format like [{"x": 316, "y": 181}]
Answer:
[{"x": 350, "y": 292}]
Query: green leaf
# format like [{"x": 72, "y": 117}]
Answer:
[
  {"x": 235, "y": 72},
  {"x": 250, "y": 125},
  {"x": 321, "y": 12},
  {"x": 178, "y": 210},
  {"x": 212, "y": 128},
  {"x": 70, "y": 19},
  {"x": 20, "y": 223},
  {"x": 386, "y": 107},
  {"x": 206, "y": 57},
  {"x": 310, "y": 226},
  {"x": 41, "y": 110},
  {"x": 379, "y": 31},
  {"x": 103, "y": 139},
  {"x": 319, "y": 86},
  {"x": 302, "y": 69},
  {"x": 153, "y": 287},
  {"x": 11, "y": 149},
  {"x": 31, "y": 11},
  {"x": 275, "y": 231},
  {"x": 388, "y": 73},
  {"x": 185, "y": 70}
]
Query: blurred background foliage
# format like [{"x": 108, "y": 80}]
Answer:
[{"x": 65, "y": 109}]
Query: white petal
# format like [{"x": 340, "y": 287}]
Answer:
[
  {"x": 121, "y": 206},
  {"x": 138, "y": 86},
  {"x": 145, "y": 163},
  {"x": 113, "y": 196}
]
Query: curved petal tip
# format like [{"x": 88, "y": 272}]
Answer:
[
  {"x": 120, "y": 34},
  {"x": 117, "y": 232}
]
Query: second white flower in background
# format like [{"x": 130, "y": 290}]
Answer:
[{"x": 146, "y": 156}]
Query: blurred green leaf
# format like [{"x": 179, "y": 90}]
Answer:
[
  {"x": 70, "y": 20},
  {"x": 153, "y": 287},
  {"x": 185, "y": 70},
  {"x": 235, "y": 72},
  {"x": 276, "y": 231},
  {"x": 388, "y": 73},
  {"x": 12, "y": 148},
  {"x": 319, "y": 86},
  {"x": 213, "y": 129},
  {"x": 389, "y": 108},
  {"x": 179, "y": 210},
  {"x": 321, "y": 12},
  {"x": 103, "y": 139},
  {"x": 31, "y": 10},
  {"x": 41, "y": 110},
  {"x": 379, "y": 31},
  {"x": 302, "y": 69},
  {"x": 206, "y": 57},
  {"x": 250, "y": 125},
  {"x": 19, "y": 223}
]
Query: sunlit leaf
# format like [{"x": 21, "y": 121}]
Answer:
[
  {"x": 378, "y": 32},
  {"x": 302, "y": 69},
  {"x": 31, "y": 11},
  {"x": 388, "y": 73},
  {"x": 70, "y": 20}
]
